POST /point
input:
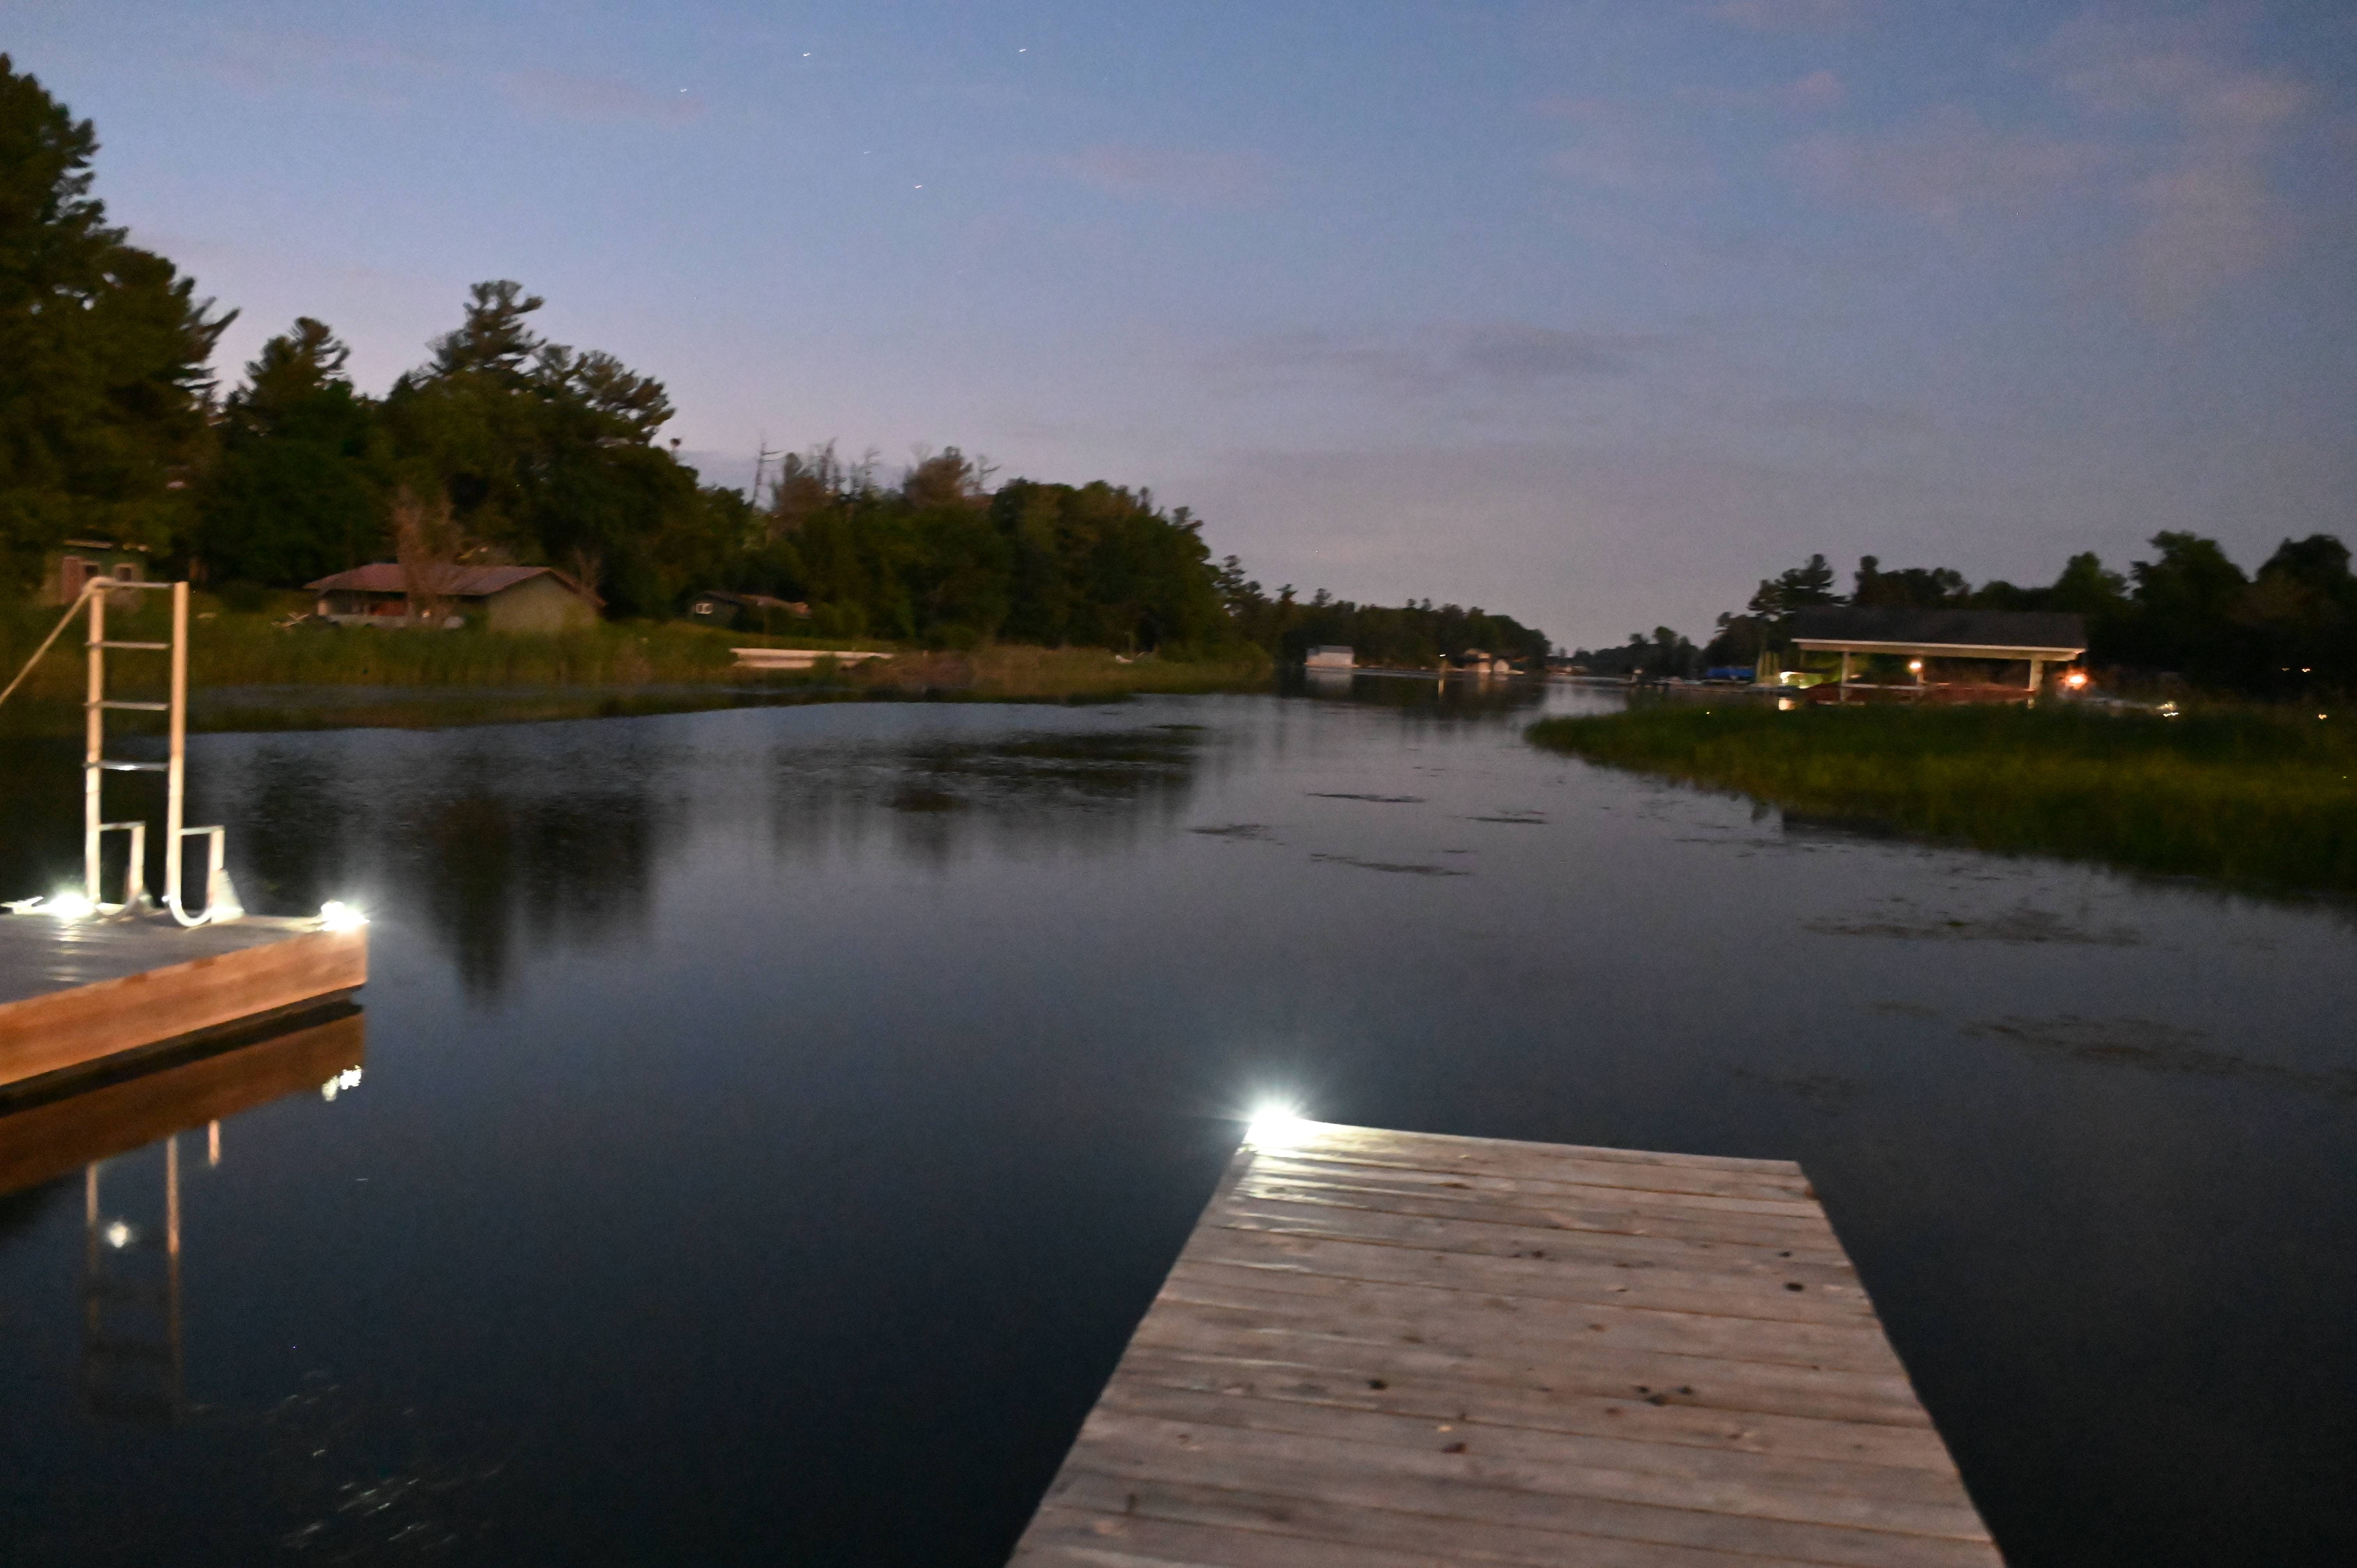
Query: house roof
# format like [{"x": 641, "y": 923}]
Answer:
[
  {"x": 463, "y": 582},
  {"x": 1978, "y": 629}
]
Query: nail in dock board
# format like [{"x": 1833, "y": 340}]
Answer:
[
  {"x": 82, "y": 994},
  {"x": 1400, "y": 1351}
]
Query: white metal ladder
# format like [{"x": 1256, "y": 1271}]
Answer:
[{"x": 221, "y": 898}]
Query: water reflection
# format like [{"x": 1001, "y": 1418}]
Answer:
[
  {"x": 836, "y": 1085},
  {"x": 1430, "y": 695},
  {"x": 534, "y": 842},
  {"x": 124, "y": 1137}
]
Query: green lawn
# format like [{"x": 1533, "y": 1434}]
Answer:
[{"x": 2252, "y": 798}]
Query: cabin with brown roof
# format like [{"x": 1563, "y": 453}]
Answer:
[{"x": 499, "y": 598}]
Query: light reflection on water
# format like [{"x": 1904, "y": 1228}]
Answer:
[{"x": 774, "y": 1121}]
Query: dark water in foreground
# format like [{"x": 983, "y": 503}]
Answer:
[{"x": 774, "y": 1122}]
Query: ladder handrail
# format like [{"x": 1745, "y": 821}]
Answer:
[
  {"x": 221, "y": 900},
  {"x": 63, "y": 621}
]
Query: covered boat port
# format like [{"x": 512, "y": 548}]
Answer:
[{"x": 2035, "y": 638}]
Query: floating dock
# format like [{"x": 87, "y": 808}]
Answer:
[
  {"x": 77, "y": 995},
  {"x": 1399, "y": 1350}
]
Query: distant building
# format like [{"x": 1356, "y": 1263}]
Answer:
[
  {"x": 718, "y": 607},
  {"x": 1332, "y": 657},
  {"x": 1480, "y": 661},
  {"x": 502, "y": 598},
  {"x": 65, "y": 571}
]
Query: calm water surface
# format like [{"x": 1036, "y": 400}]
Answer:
[{"x": 774, "y": 1122}]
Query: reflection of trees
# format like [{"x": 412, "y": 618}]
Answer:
[
  {"x": 940, "y": 800},
  {"x": 567, "y": 870},
  {"x": 492, "y": 838},
  {"x": 289, "y": 820}
]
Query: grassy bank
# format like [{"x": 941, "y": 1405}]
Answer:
[
  {"x": 227, "y": 649},
  {"x": 246, "y": 673},
  {"x": 2254, "y": 798}
]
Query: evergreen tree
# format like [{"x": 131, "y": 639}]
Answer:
[
  {"x": 292, "y": 497},
  {"x": 103, "y": 351}
]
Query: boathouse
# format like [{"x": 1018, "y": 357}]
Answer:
[
  {"x": 1331, "y": 657},
  {"x": 2036, "y": 638},
  {"x": 502, "y": 598}
]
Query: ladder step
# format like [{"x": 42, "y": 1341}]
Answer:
[
  {"x": 111, "y": 767},
  {"x": 147, "y": 647},
  {"x": 135, "y": 707}
]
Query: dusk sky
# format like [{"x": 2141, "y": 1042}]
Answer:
[{"x": 1593, "y": 314}]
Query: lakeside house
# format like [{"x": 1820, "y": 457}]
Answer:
[
  {"x": 1972, "y": 637},
  {"x": 65, "y": 572},
  {"x": 499, "y": 598},
  {"x": 1329, "y": 657}
]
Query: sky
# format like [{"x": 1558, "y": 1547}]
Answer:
[{"x": 1591, "y": 314}]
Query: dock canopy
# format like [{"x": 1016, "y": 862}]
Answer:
[{"x": 2038, "y": 637}]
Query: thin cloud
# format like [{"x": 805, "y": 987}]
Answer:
[
  {"x": 1498, "y": 356},
  {"x": 1169, "y": 174},
  {"x": 2211, "y": 218},
  {"x": 596, "y": 98},
  {"x": 1947, "y": 166},
  {"x": 1627, "y": 148},
  {"x": 1814, "y": 94},
  {"x": 1790, "y": 16}
]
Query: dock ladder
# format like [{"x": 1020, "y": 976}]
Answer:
[{"x": 220, "y": 895}]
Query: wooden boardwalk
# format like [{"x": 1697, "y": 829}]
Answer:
[{"x": 1397, "y": 1350}]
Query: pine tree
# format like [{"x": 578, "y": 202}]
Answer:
[{"x": 103, "y": 351}]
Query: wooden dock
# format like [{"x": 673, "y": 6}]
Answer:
[
  {"x": 1398, "y": 1350},
  {"x": 75, "y": 994}
]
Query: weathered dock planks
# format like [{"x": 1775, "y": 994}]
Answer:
[
  {"x": 74, "y": 993},
  {"x": 1401, "y": 1350}
]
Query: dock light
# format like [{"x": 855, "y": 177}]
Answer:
[
  {"x": 118, "y": 1235},
  {"x": 335, "y": 914},
  {"x": 2076, "y": 680},
  {"x": 70, "y": 907},
  {"x": 1275, "y": 1128},
  {"x": 1915, "y": 665}
]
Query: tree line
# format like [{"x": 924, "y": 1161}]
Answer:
[
  {"x": 2288, "y": 627},
  {"x": 506, "y": 447}
]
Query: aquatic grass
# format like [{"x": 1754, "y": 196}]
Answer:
[
  {"x": 2254, "y": 798},
  {"x": 227, "y": 649}
]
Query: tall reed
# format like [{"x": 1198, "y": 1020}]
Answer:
[{"x": 2252, "y": 798}]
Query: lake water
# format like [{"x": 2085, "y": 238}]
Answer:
[{"x": 774, "y": 1122}]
